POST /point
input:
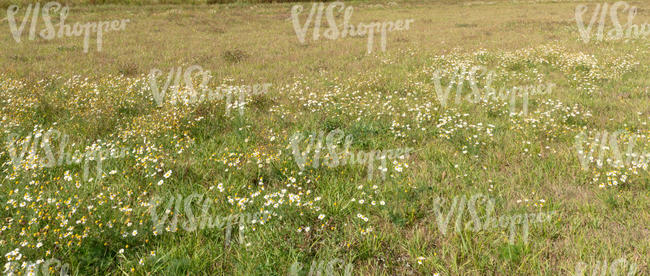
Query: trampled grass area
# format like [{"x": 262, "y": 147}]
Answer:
[{"x": 242, "y": 199}]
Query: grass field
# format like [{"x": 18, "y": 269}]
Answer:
[{"x": 245, "y": 196}]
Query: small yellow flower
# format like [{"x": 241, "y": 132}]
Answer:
[{"x": 420, "y": 259}]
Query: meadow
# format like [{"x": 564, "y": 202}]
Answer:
[{"x": 489, "y": 138}]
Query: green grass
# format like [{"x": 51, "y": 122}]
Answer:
[{"x": 383, "y": 100}]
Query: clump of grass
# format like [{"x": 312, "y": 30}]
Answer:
[
  {"x": 261, "y": 102},
  {"x": 234, "y": 56},
  {"x": 67, "y": 48},
  {"x": 128, "y": 69},
  {"x": 466, "y": 25},
  {"x": 18, "y": 58}
]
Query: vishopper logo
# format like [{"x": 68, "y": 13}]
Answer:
[
  {"x": 617, "y": 264},
  {"x": 188, "y": 94},
  {"x": 347, "y": 29},
  {"x": 490, "y": 223},
  {"x": 184, "y": 209},
  {"x": 317, "y": 268},
  {"x": 64, "y": 30},
  {"x": 618, "y": 32},
  {"x": 336, "y": 158},
  {"x": 459, "y": 75},
  {"x": 609, "y": 151},
  {"x": 48, "y": 267},
  {"x": 94, "y": 153}
]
